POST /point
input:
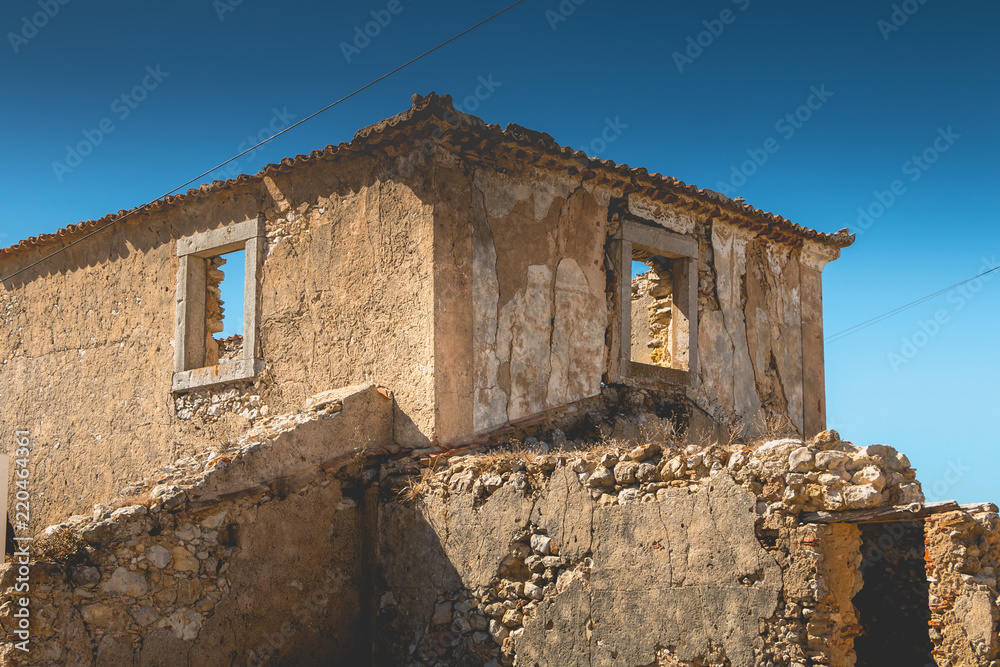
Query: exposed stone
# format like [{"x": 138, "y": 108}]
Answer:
[
  {"x": 185, "y": 623},
  {"x": 800, "y": 460},
  {"x": 170, "y": 497},
  {"x": 625, "y": 472},
  {"x": 830, "y": 459},
  {"x": 85, "y": 575},
  {"x": 442, "y": 614},
  {"x": 124, "y": 582},
  {"x": 184, "y": 561},
  {"x": 646, "y": 473},
  {"x": 870, "y": 475},
  {"x": 145, "y": 616},
  {"x": 859, "y": 497},
  {"x": 601, "y": 477},
  {"x": 541, "y": 544},
  {"x": 158, "y": 556}
]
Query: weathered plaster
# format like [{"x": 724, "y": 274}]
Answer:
[
  {"x": 538, "y": 298},
  {"x": 727, "y": 373}
]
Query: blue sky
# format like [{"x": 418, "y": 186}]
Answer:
[{"x": 882, "y": 96}]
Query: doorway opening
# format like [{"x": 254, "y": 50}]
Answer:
[{"x": 894, "y": 603}]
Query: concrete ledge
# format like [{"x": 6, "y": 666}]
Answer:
[
  {"x": 651, "y": 377},
  {"x": 331, "y": 426},
  {"x": 226, "y": 371}
]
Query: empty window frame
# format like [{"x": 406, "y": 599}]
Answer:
[
  {"x": 659, "y": 301},
  {"x": 199, "y": 358}
]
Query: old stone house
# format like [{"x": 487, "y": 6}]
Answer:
[
  {"x": 483, "y": 275},
  {"x": 441, "y": 285}
]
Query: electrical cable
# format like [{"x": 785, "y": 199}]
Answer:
[
  {"x": 258, "y": 145},
  {"x": 884, "y": 316}
]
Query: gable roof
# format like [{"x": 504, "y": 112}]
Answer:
[{"x": 434, "y": 118}]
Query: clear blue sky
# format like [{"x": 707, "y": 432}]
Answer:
[{"x": 213, "y": 74}]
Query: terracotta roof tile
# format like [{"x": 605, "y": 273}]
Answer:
[{"x": 438, "y": 110}]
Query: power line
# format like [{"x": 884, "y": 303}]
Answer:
[
  {"x": 258, "y": 145},
  {"x": 884, "y": 316}
]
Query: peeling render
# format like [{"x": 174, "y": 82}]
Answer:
[{"x": 542, "y": 323}]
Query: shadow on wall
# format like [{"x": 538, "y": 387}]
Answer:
[
  {"x": 423, "y": 589},
  {"x": 476, "y": 565}
]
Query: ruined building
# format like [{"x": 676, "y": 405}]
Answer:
[{"x": 494, "y": 403}]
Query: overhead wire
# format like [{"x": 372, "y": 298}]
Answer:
[
  {"x": 261, "y": 143},
  {"x": 896, "y": 311}
]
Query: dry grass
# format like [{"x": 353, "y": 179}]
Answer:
[
  {"x": 418, "y": 486},
  {"x": 63, "y": 547},
  {"x": 771, "y": 427},
  {"x": 142, "y": 498}
]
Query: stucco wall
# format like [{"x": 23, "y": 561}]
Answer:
[
  {"x": 750, "y": 328},
  {"x": 527, "y": 303},
  {"x": 629, "y": 553},
  {"x": 86, "y": 355},
  {"x": 627, "y": 579}
]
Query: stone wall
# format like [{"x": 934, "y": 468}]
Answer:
[
  {"x": 963, "y": 558},
  {"x": 656, "y": 554},
  {"x": 255, "y": 554},
  {"x": 290, "y": 546},
  {"x": 652, "y": 309}
]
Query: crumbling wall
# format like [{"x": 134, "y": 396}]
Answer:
[
  {"x": 214, "y": 309},
  {"x": 750, "y": 328},
  {"x": 963, "y": 558},
  {"x": 538, "y": 299},
  {"x": 525, "y": 293},
  {"x": 256, "y": 554},
  {"x": 629, "y": 554},
  {"x": 86, "y": 357}
]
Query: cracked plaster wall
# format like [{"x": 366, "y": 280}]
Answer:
[
  {"x": 531, "y": 247},
  {"x": 539, "y": 303},
  {"x": 750, "y": 329}
]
